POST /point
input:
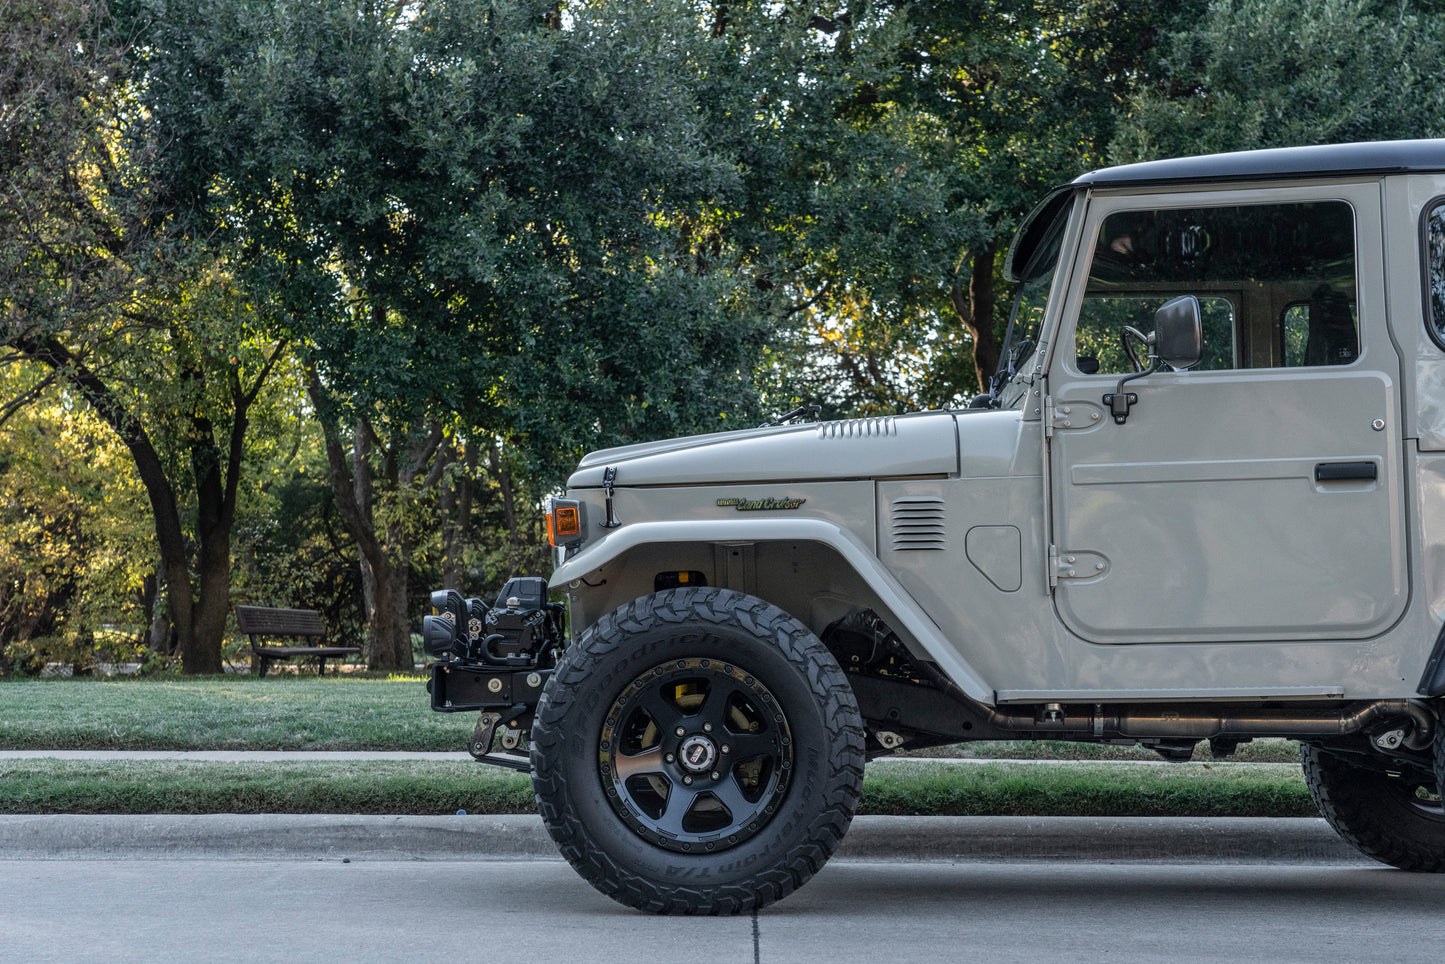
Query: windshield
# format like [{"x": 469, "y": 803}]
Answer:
[{"x": 1027, "y": 317}]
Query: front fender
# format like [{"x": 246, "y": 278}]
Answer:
[{"x": 903, "y": 611}]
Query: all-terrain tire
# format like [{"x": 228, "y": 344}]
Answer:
[
  {"x": 1397, "y": 820},
  {"x": 702, "y": 678}
]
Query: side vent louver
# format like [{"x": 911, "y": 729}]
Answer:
[{"x": 918, "y": 523}]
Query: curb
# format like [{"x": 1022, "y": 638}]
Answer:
[{"x": 291, "y": 837}]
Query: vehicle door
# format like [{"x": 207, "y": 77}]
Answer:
[{"x": 1257, "y": 496}]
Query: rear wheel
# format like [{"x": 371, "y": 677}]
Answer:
[
  {"x": 697, "y": 751},
  {"x": 1394, "y": 816}
]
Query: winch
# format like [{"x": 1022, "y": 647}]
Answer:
[{"x": 495, "y": 659}]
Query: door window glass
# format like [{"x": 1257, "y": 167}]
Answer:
[
  {"x": 1097, "y": 338},
  {"x": 1275, "y": 282}
]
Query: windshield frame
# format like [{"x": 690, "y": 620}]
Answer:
[{"x": 1041, "y": 239}]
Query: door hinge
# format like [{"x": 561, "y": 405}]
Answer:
[
  {"x": 1070, "y": 415},
  {"x": 1075, "y": 564}
]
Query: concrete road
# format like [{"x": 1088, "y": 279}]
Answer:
[{"x": 854, "y": 911}]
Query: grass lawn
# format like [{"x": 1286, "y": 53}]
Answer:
[
  {"x": 1085, "y": 788},
  {"x": 227, "y": 713}
]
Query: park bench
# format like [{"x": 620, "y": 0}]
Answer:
[{"x": 260, "y": 622}]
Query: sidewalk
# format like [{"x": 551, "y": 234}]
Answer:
[{"x": 296, "y": 837}]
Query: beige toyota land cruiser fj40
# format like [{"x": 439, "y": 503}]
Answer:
[{"x": 1203, "y": 501}]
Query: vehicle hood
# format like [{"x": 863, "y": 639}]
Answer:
[{"x": 925, "y": 443}]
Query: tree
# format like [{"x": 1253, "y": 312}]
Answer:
[
  {"x": 1025, "y": 95},
  {"x": 142, "y": 324},
  {"x": 75, "y": 547},
  {"x": 895, "y": 146},
  {"x": 845, "y": 225},
  {"x": 1280, "y": 73},
  {"x": 470, "y": 213}
]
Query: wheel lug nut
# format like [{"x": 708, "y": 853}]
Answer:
[
  {"x": 707, "y": 727},
  {"x": 726, "y": 748},
  {"x": 687, "y": 781},
  {"x": 670, "y": 758},
  {"x": 713, "y": 774},
  {"x": 679, "y": 731}
]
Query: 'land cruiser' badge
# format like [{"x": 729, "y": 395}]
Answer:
[{"x": 761, "y": 505}]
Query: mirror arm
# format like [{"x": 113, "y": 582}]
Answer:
[{"x": 1118, "y": 402}]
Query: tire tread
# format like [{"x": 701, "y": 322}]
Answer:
[{"x": 1349, "y": 797}]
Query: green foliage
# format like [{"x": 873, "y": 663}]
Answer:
[
  {"x": 467, "y": 207},
  {"x": 976, "y": 108},
  {"x": 140, "y": 322},
  {"x": 75, "y": 544},
  {"x": 291, "y": 548},
  {"x": 1277, "y": 73},
  {"x": 71, "y": 200},
  {"x": 849, "y": 222}
]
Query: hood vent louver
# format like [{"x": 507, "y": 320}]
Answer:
[
  {"x": 918, "y": 524},
  {"x": 858, "y": 428}
]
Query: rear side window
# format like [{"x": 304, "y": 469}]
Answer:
[{"x": 1435, "y": 268}]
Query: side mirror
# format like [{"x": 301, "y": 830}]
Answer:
[{"x": 1179, "y": 333}]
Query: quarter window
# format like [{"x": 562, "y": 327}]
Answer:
[{"x": 1435, "y": 268}]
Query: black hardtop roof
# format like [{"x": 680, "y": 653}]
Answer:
[{"x": 1328, "y": 160}]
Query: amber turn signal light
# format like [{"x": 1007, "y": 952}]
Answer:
[{"x": 564, "y": 522}]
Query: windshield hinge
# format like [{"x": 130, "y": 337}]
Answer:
[
  {"x": 609, "y": 478},
  {"x": 1053, "y": 567},
  {"x": 1048, "y": 416}
]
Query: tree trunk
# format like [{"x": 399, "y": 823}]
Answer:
[
  {"x": 388, "y": 630},
  {"x": 158, "y": 638},
  {"x": 391, "y": 628},
  {"x": 504, "y": 482},
  {"x": 385, "y": 556},
  {"x": 201, "y": 651},
  {"x": 457, "y": 500},
  {"x": 976, "y": 310},
  {"x": 383, "y": 570},
  {"x": 213, "y": 603}
]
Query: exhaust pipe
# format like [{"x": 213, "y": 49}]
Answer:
[
  {"x": 1194, "y": 721},
  {"x": 1190, "y": 722}
]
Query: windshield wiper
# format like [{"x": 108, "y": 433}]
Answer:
[{"x": 812, "y": 410}]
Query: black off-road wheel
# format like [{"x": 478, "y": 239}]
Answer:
[
  {"x": 1393, "y": 816},
  {"x": 697, "y": 751}
]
